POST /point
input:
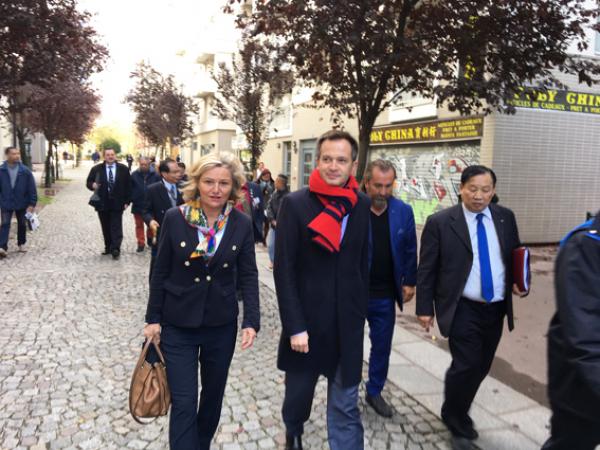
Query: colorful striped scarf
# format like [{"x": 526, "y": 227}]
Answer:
[{"x": 207, "y": 243}]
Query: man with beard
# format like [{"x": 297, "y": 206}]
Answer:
[{"x": 393, "y": 272}]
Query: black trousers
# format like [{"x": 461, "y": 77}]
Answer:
[
  {"x": 192, "y": 426},
  {"x": 473, "y": 340},
  {"x": 570, "y": 432},
  {"x": 112, "y": 229}
]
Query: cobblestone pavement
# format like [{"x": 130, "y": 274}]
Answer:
[{"x": 70, "y": 332}]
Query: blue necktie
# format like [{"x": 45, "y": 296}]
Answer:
[
  {"x": 485, "y": 267},
  {"x": 111, "y": 179},
  {"x": 173, "y": 195}
]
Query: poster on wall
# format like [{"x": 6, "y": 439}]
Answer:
[{"x": 429, "y": 174}]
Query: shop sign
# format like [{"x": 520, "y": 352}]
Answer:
[
  {"x": 557, "y": 100},
  {"x": 439, "y": 130}
]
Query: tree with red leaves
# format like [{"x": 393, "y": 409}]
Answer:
[{"x": 362, "y": 56}]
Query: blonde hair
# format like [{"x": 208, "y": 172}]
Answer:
[{"x": 210, "y": 161}]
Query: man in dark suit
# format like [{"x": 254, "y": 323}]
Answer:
[
  {"x": 112, "y": 182},
  {"x": 574, "y": 342},
  {"x": 393, "y": 273},
  {"x": 321, "y": 279},
  {"x": 465, "y": 278},
  {"x": 141, "y": 179},
  {"x": 161, "y": 196}
]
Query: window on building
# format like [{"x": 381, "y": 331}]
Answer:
[
  {"x": 282, "y": 116},
  {"x": 287, "y": 158}
]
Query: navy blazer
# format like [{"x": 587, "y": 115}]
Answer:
[
  {"x": 323, "y": 293},
  {"x": 139, "y": 185},
  {"x": 189, "y": 293},
  {"x": 403, "y": 240},
  {"x": 23, "y": 195},
  {"x": 157, "y": 202},
  {"x": 447, "y": 257}
]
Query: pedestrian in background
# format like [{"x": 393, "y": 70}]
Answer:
[
  {"x": 183, "y": 176},
  {"x": 267, "y": 186},
  {"x": 95, "y": 157},
  {"x": 281, "y": 190},
  {"x": 465, "y": 278},
  {"x": 393, "y": 273},
  {"x": 160, "y": 197},
  {"x": 140, "y": 180},
  {"x": 18, "y": 196},
  {"x": 574, "y": 342},
  {"x": 252, "y": 204},
  {"x": 321, "y": 279},
  {"x": 129, "y": 160},
  {"x": 206, "y": 247},
  {"x": 112, "y": 181}
]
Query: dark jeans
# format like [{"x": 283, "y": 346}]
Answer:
[
  {"x": 5, "y": 218},
  {"x": 381, "y": 317},
  {"x": 344, "y": 426},
  {"x": 112, "y": 229},
  {"x": 572, "y": 432},
  {"x": 474, "y": 337},
  {"x": 192, "y": 426}
]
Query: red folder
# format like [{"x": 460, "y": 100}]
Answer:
[{"x": 521, "y": 269}]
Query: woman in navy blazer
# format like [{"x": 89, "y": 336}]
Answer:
[{"x": 205, "y": 254}]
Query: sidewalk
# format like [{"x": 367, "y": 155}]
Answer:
[{"x": 505, "y": 419}]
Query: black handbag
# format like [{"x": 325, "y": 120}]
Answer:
[{"x": 95, "y": 199}]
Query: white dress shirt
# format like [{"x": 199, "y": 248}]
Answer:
[
  {"x": 170, "y": 186},
  {"x": 472, "y": 289},
  {"x": 114, "y": 171}
]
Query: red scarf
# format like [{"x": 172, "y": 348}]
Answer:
[{"x": 338, "y": 202}]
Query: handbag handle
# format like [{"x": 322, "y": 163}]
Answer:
[{"x": 140, "y": 362}]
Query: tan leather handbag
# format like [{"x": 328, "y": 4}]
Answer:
[{"x": 149, "y": 395}]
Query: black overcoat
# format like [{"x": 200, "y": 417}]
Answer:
[
  {"x": 323, "y": 293},
  {"x": 121, "y": 193},
  {"x": 446, "y": 259}
]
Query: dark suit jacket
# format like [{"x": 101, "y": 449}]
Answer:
[
  {"x": 139, "y": 185},
  {"x": 574, "y": 334},
  {"x": 157, "y": 202},
  {"x": 403, "y": 240},
  {"x": 121, "y": 193},
  {"x": 320, "y": 292},
  {"x": 446, "y": 258},
  {"x": 258, "y": 210},
  {"x": 187, "y": 293}
]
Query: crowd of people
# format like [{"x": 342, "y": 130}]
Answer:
[{"x": 342, "y": 254}]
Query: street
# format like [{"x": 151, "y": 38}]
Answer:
[{"x": 71, "y": 332}]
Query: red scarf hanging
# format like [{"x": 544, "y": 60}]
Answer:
[{"x": 338, "y": 201}]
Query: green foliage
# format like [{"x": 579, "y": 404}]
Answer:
[{"x": 110, "y": 142}]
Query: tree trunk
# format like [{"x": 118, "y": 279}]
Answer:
[
  {"x": 47, "y": 168},
  {"x": 363, "y": 151},
  {"x": 25, "y": 158},
  {"x": 56, "y": 161}
]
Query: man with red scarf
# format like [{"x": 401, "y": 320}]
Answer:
[{"x": 321, "y": 278}]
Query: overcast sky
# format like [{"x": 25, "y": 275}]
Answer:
[{"x": 154, "y": 30}]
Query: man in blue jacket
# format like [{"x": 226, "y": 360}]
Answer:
[
  {"x": 393, "y": 272},
  {"x": 18, "y": 195}
]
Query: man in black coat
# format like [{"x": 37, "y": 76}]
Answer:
[
  {"x": 141, "y": 179},
  {"x": 112, "y": 182},
  {"x": 465, "y": 278},
  {"x": 574, "y": 342},
  {"x": 161, "y": 196},
  {"x": 252, "y": 204},
  {"x": 321, "y": 278}
]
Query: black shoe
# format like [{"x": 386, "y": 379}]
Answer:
[
  {"x": 106, "y": 252},
  {"x": 115, "y": 254},
  {"x": 379, "y": 405},
  {"x": 293, "y": 442},
  {"x": 140, "y": 248},
  {"x": 461, "y": 429}
]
